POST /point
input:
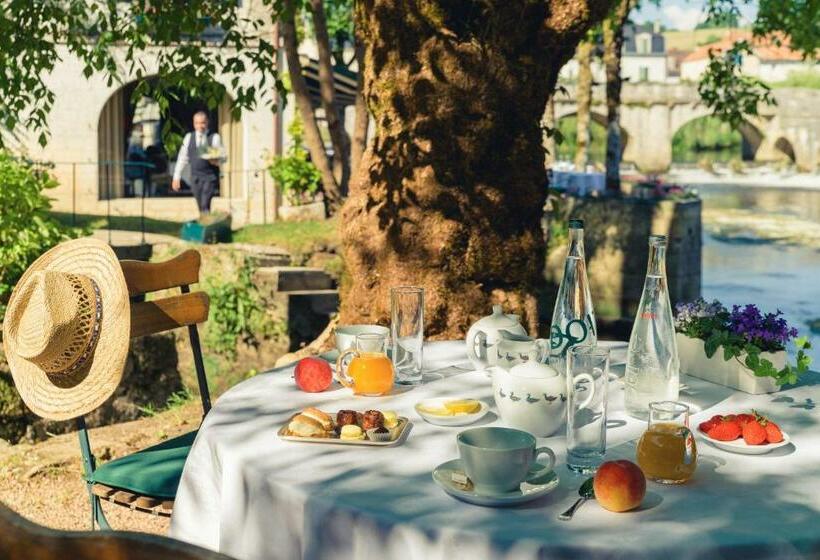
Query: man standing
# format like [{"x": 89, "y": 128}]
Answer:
[{"x": 204, "y": 165}]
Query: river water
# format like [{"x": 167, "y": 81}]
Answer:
[{"x": 760, "y": 246}]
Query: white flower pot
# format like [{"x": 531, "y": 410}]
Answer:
[{"x": 732, "y": 373}]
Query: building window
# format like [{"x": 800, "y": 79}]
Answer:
[{"x": 643, "y": 73}]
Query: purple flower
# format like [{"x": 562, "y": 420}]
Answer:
[{"x": 769, "y": 331}]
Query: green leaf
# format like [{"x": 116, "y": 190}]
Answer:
[{"x": 712, "y": 343}]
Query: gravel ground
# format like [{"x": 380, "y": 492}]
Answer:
[{"x": 43, "y": 482}]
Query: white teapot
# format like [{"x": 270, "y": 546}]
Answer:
[
  {"x": 487, "y": 331},
  {"x": 532, "y": 395}
]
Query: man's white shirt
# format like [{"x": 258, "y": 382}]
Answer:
[{"x": 201, "y": 139}]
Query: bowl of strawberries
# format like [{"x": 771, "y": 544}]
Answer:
[{"x": 750, "y": 434}]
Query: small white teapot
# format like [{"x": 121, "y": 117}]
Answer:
[
  {"x": 487, "y": 331},
  {"x": 532, "y": 395}
]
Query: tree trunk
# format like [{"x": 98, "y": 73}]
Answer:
[
  {"x": 549, "y": 126},
  {"x": 450, "y": 194},
  {"x": 362, "y": 115},
  {"x": 613, "y": 42},
  {"x": 313, "y": 138},
  {"x": 327, "y": 93},
  {"x": 583, "y": 98}
]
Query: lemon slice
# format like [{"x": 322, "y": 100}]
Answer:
[
  {"x": 463, "y": 406},
  {"x": 435, "y": 411}
]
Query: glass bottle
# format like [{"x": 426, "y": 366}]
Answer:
[
  {"x": 652, "y": 367},
  {"x": 573, "y": 319}
]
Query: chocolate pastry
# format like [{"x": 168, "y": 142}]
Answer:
[
  {"x": 372, "y": 419},
  {"x": 381, "y": 430},
  {"x": 345, "y": 417}
]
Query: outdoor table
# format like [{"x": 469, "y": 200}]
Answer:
[
  {"x": 581, "y": 183},
  {"x": 251, "y": 495}
]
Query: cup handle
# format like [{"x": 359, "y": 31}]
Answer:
[
  {"x": 588, "y": 377},
  {"x": 689, "y": 456},
  {"x": 341, "y": 373},
  {"x": 541, "y": 472}
]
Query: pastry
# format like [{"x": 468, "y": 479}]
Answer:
[
  {"x": 391, "y": 419},
  {"x": 372, "y": 419},
  {"x": 305, "y": 426},
  {"x": 351, "y": 432},
  {"x": 345, "y": 417},
  {"x": 379, "y": 434},
  {"x": 324, "y": 419}
]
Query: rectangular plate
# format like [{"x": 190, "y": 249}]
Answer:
[{"x": 401, "y": 434}]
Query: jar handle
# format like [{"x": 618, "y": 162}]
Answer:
[
  {"x": 591, "y": 380},
  {"x": 479, "y": 339},
  {"x": 341, "y": 368}
]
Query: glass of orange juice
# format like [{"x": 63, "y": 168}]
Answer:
[
  {"x": 370, "y": 372},
  {"x": 667, "y": 452}
]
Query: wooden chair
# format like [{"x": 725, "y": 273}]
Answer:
[
  {"x": 23, "y": 540},
  {"x": 148, "y": 479}
]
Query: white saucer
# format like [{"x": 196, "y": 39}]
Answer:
[
  {"x": 531, "y": 489},
  {"x": 740, "y": 446},
  {"x": 455, "y": 420}
]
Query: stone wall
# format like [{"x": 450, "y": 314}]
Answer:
[{"x": 616, "y": 235}]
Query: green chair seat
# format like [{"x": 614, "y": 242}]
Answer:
[{"x": 154, "y": 471}]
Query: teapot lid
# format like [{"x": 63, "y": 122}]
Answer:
[
  {"x": 498, "y": 320},
  {"x": 534, "y": 370}
]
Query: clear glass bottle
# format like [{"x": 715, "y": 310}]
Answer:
[
  {"x": 573, "y": 319},
  {"x": 652, "y": 366}
]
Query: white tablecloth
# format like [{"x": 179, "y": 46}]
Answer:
[
  {"x": 578, "y": 182},
  {"x": 248, "y": 494}
]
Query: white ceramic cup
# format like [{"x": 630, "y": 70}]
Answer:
[{"x": 346, "y": 334}]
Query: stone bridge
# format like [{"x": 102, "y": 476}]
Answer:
[{"x": 651, "y": 114}]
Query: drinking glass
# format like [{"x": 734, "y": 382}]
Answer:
[
  {"x": 587, "y": 380},
  {"x": 407, "y": 332},
  {"x": 370, "y": 372},
  {"x": 667, "y": 452}
]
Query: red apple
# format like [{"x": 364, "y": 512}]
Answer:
[
  {"x": 313, "y": 375},
  {"x": 619, "y": 485}
]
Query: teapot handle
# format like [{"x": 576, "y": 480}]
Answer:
[
  {"x": 591, "y": 395},
  {"x": 478, "y": 338},
  {"x": 542, "y": 346}
]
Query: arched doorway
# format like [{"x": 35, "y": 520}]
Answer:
[
  {"x": 133, "y": 159},
  {"x": 708, "y": 138}
]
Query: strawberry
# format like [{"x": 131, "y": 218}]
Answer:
[
  {"x": 742, "y": 419},
  {"x": 726, "y": 430},
  {"x": 773, "y": 433},
  {"x": 754, "y": 433},
  {"x": 709, "y": 424}
]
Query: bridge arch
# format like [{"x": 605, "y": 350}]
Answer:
[
  {"x": 703, "y": 133},
  {"x": 597, "y": 119}
]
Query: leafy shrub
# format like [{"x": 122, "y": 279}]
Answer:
[
  {"x": 294, "y": 173},
  {"x": 237, "y": 314},
  {"x": 26, "y": 228}
]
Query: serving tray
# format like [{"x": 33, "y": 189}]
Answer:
[{"x": 400, "y": 435}]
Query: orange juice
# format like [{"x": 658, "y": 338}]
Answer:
[
  {"x": 372, "y": 373},
  {"x": 667, "y": 453}
]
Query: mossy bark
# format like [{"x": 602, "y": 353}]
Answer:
[
  {"x": 450, "y": 193},
  {"x": 583, "y": 97},
  {"x": 613, "y": 32}
]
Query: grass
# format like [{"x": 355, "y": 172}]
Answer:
[
  {"x": 127, "y": 223},
  {"x": 800, "y": 79},
  {"x": 294, "y": 237}
]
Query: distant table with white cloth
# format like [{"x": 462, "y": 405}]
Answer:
[
  {"x": 578, "y": 182},
  {"x": 251, "y": 495}
]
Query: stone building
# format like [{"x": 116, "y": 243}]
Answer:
[{"x": 108, "y": 155}]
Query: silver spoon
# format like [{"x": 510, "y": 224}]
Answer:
[{"x": 586, "y": 492}]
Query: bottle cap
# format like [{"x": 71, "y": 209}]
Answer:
[{"x": 576, "y": 224}]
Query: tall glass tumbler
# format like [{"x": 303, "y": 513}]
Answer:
[
  {"x": 587, "y": 380},
  {"x": 407, "y": 332}
]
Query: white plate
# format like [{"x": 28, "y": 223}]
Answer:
[
  {"x": 531, "y": 489},
  {"x": 456, "y": 420},
  {"x": 740, "y": 446}
]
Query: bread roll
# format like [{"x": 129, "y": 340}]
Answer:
[
  {"x": 324, "y": 419},
  {"x": 305, "y": 426}
]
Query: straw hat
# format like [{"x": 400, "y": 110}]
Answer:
[{"x": 67, "y": 328}]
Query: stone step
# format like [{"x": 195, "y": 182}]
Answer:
[
  {"x": 264, "y": 255},
  {"x": 294, "y": 278}
]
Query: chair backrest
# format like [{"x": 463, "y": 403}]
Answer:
[
  {"x": 23, "y": 540},
  {"x": 184, "y": 310}
]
